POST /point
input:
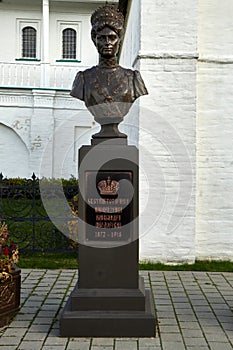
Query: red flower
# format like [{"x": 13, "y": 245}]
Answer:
[{"x": 6, "y": 251}]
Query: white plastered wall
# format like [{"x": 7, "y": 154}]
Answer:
[
  {"x": 163, "y": 47},
  {"x": 214, "y": 210}
]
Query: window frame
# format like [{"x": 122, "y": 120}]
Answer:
[
  {"x": 75, "y": 25},
  {"x": 21, "y": 24}
]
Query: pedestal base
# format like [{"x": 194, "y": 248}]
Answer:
[{"x": 98, "y": 323}]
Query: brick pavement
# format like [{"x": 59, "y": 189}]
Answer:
[{"x": 194, "y": 311}]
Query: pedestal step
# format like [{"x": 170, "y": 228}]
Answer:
[
  {"x": 109, "y": 299},
  {"x": 93, "y": 323}
]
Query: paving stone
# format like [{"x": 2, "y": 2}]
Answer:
[
  {"x": 55, "y": 341},
  {"x": 102, "y": 347},
  {"x": 218, "y": 337},
  {"x": 150, "y": 342},
  {"x": 55, "y": 347},
  {"x": 208, "y": 322},
  {"x": 173, "y": 346},
  {"x": 9, "y": 341},
  {"x": 195, "y": 341},
  {"x": 197, "y": 348},
  {"x": 37, "y": 328},
  {"x": 212, "y": 329},
  {"x": 169, "y": 329},
  {"x": 80, "y": 339},
  {"x": 174, "y": 337},
  {"x": 162, "y": 307},
  {"x": 167, "y": 321},
  {"x": 126, "y": 344},
  {"x": 186, "y": 318},
  {"x": 42, "y": 320},
  {"x": 157, "y": 347},
  {"x": 24, "y": 317},
  {"x": 29, "y": 310},
  {"x": 185, "y": 312},
  {"x": 203, "y": 315},
  {"x": 80, "y": 346},
  {"x": 45, "y": 313},
  {"x": 162, "y": 301},
  {"x": 193, "y": 333},
  {"x": 178, "y": 305},
  {"x": 19, "y": 324},
  {"x": 29, "y": 345},
  {"x": 103, "y": 341},
  {"x": 220, "y": 346},
  {"x": 35, "y": 336},
  {"x": 166, "y": 314},
  {"x": 15, "y": 332},
  {"x": 51, "y": 301}
]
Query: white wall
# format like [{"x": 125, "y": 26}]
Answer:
[
  {"x": 166, "y": 58},
  {"x": 214, "y": 228},
  {"x": 186, "y": 127}
]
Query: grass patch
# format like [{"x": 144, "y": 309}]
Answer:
[
  {"x": 199, "y": 265},
  {"x": 70, "y": 261},
  {"x": 48, "y": 260}
]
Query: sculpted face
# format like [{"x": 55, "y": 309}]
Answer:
[{"x": 107, "y": 42}]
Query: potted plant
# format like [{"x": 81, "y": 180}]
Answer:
[{"x": 9, "y": 277}]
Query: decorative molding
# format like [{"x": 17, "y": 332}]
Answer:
[
  {"x": 67, "y": 102},
  {"x": 13, "y": 99},
  {"x": 165, "y": 55},
  {"x": 39, "y": 98},
  {"x": 43, "y": 98},
  {"x": 216, "y": 59}
]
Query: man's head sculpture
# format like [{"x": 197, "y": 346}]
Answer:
[{"x": 108, "y": 89}]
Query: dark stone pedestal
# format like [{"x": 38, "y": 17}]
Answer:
[{"x": 109, "y": 299}]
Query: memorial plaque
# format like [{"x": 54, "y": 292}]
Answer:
[{"x": 109, "y": 206}]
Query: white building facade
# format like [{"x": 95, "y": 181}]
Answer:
[
  {"x": 183, "y": 128},
  {"x": 39, "y": 122}
]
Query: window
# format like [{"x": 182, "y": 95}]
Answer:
[
  {"x": 69, "y": 43},
  {"x": 29, "y": 42}
]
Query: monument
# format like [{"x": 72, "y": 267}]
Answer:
[{"x": 110, "y": 299}]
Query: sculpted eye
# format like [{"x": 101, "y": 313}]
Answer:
[{"x": 100, "y": 37}]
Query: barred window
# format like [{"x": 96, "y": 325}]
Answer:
[
  {"x": 69, "y": 36},
  {"x": 29, "y": 42}
]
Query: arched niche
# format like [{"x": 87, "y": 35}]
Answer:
[{"x": 14, "y": 155}]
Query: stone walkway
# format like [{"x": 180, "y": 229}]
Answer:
[{"x": 194, "y": 310}]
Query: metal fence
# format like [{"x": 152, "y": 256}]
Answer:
[{"x": 29, "y": 225}]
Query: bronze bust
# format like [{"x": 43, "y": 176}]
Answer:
[{"x": 108, "y": 89}]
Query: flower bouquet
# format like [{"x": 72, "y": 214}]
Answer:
[
  {"x": 10, "y": 280},
  {"x": 9, "y": 254}
]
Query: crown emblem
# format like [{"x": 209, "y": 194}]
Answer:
[{"x": 108, "y": 187}]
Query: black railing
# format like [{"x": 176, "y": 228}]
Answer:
[{"x": 30, "y": 226}]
